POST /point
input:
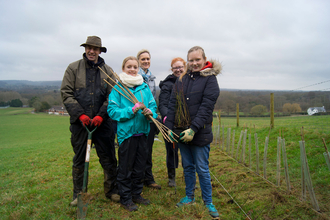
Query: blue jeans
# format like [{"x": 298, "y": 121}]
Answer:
[{"x": 196, "y": 159}]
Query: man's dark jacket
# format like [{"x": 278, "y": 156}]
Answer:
[{"x": 84, "y": 90}]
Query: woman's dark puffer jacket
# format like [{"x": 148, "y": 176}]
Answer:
[
  {"x": 201, "y": 91},
  {"x": 166, "y": 87}
]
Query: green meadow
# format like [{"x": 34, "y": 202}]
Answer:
[{"x": 36, "y": 183}]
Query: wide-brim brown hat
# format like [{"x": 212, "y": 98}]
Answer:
[{"x": 94, "y": 41}]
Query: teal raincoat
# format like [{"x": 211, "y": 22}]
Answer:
[{"x": 120, "y": 109}]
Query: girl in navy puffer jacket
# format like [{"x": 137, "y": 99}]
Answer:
[{"x": 197, "y": 90}]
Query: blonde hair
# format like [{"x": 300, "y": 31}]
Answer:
[
  {"x": 189, "y": 51},
  {"x": 127, "y": 59},
  {"x": 197, "y": 48},
  {"x": 141, "y": 52}
]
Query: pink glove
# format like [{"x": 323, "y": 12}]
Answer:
[
  {"x": 137, "y": 107},
  {"x": 84, "y": 119},
  {"x": 164, "y": 119},
  {"x": 97, "y": 121}
]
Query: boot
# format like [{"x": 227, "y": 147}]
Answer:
[
  {"x": 78, "y": 178},
  {"x": 110, "y": 186},
  {"x": 171, "y": 177}
]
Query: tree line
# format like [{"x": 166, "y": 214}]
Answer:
[
  {"x": 258, "y": 102},
  {"x": 250, "y": 101}
]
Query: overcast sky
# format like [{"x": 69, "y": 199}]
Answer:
[{"x": 273, "y": 45}]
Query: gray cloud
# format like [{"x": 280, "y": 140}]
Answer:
[{"x": 261, "y": 44}]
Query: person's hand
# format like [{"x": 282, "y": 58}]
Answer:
[
  {"x": 85, "y": 120},
  {"x": 137, "y": 107},
  {"x": 147, "y": 112},
  {"x": 97, "y": 121},
  {"x": 164, "y": 119},
  {"x": 171, "y": 136},
  {"x": 187, "y": 135}
]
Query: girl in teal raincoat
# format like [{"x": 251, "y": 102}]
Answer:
[{"x": 132, "y": 130}]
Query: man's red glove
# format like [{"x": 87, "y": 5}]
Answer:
[
  {"x": 97, "y": 121},
  {"x": 84, "y": 119}
]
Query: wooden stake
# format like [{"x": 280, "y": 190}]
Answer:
[{"x": 302, "y": 134}]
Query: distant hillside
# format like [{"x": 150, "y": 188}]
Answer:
[
  {"x": 17, "y": 85},
  {"x": 10, "y": 83},
  {"x": 25, "y": 86}
]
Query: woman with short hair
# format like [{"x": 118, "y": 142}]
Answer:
[{"x": 144, "y": 58}]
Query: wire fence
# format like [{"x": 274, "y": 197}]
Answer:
[{"x": 297, "y": 160}]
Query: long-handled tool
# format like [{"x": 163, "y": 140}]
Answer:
[{"x": 84, "y": 197}]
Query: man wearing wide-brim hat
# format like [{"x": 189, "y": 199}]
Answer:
[{"x": 85, "y": 96}]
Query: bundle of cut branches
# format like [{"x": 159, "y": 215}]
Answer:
[{"x": 131, "y": 97}]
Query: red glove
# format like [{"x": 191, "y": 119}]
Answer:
[
  {"x": 84, "y": 119},
  {"x": 97, "y": 121}
]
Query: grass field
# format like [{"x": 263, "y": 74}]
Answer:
[{"x": 36, "y": 183}]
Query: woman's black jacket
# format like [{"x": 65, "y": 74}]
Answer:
[
  {"x": 201, "y": 91},
  {"x": 166, "y": 87}
]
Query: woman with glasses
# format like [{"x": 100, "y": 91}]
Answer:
[{"x": 178, "y": 66}]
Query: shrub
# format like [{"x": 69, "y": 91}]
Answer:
[{"x": 258, "y": 110}]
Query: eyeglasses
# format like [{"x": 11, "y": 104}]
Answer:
[{"x": 178, "y": 67}]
